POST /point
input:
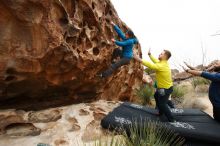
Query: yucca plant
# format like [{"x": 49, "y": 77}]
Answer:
[
  {"x": 149, "y": 134},
  {"x": 145, "y": 93},
  {"x": 152, "y": 134},
  {"x": 112, "y": 140}
]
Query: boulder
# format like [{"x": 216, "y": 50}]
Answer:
[{"x": 52, "y": 50}]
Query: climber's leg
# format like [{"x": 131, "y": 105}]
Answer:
[
  {"x": 116, "y": 53},
  {"x": 115, "y": 66}
]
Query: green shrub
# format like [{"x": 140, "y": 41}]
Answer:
[
  {"x": 150, "y": 134},
  {"x": 178, "y": 92},
  {"x": 200, "y": 81},
  {"x": 149, "y": 71},
  {"x": 145, "y": 93}
]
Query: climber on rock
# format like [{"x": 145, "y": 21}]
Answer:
[
  {"x": 125, "y": 54},
  {"x": 163, "y": 79}
]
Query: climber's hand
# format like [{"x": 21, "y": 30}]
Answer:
[
  {"x": 112, "y": 23},
  {"x": 190, "y": 67},
  {"x": 137, "y": 58},
  {"x": 187, "y": 64},
  {"x": 113, "y": 40},
  {"x": 149, "y": 51},
  {"x": 212, "y": 68}
]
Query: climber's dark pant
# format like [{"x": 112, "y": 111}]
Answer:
[
  {"x": 117, "y": 53},
  {"x": 216, "y": 113},
  {"x": 170, "y": 104},
  {"x": 116, "y": 65},
  {"x": 161, "y": 96}
]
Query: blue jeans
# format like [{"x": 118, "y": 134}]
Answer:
[
  {"x": 116, "y": 65},
  {"x": 162, "y": 97}
]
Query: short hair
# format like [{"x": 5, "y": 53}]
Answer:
[
  {"x": 168, "y": 54},
  {"x": 130, "y": 33}
]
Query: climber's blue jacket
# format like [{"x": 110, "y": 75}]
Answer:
[
  {"x": 126, "y": 44},
  {"x": 214, "y": 89}
]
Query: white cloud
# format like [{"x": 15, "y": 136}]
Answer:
[{"x": 181, "y": 26}]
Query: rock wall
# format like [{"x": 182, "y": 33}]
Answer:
[{"x": 52, "y": 50}]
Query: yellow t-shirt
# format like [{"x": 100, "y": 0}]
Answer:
[{"x": 163, "y": 72}]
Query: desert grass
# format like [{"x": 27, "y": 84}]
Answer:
[{"x": 149, "y": 134}]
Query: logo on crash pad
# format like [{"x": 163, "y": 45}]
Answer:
[
  {"x": 183, "y": 125},
  {"x": 177, "y": 111},
  {"x": 122, "y": 120},
  {"x": 136, "y": 106}
]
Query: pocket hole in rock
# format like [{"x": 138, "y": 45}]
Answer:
[
  {"x": 10, "y": 78},
  {"x": 64, "y": 21},
  {"x": 96, "y": 51},
  {"x": 10, "y": 71},
  {"x": 93, "y": 5},
  {"x": 110, "y": 12}
]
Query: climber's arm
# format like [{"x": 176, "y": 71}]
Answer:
[
  {"x": 123, "y": 43},
  {"x": 153, "y": 59},
  {"x": 119, "y": 32},
  {"x": 146, "y": 63}
]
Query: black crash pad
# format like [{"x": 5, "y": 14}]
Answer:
[{"x": 197, "y": 127}]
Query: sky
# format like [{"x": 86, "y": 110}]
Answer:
[{"x": 185, "y": 27}]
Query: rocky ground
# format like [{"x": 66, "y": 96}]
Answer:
[
  {"x": 64, "y": 126},
  {"x": 194, "y": 97},
  {"x": 78, "y": 124}
]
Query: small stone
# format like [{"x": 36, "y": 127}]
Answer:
[
  {"x": 98, "y": 116},
  {"x": 22, "y": 129},
  {"x": 44, "y": 116},
  {"x": 100, "y": 109},
  {"x": 72, "y": 120},
  {"x": 60, "y": 142},
  {"x": 93, "y": 124},
  {"x": 83, "y": 112},
  {"x": 75, "y": 127},
  {"x": 92, "y": 108}
]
